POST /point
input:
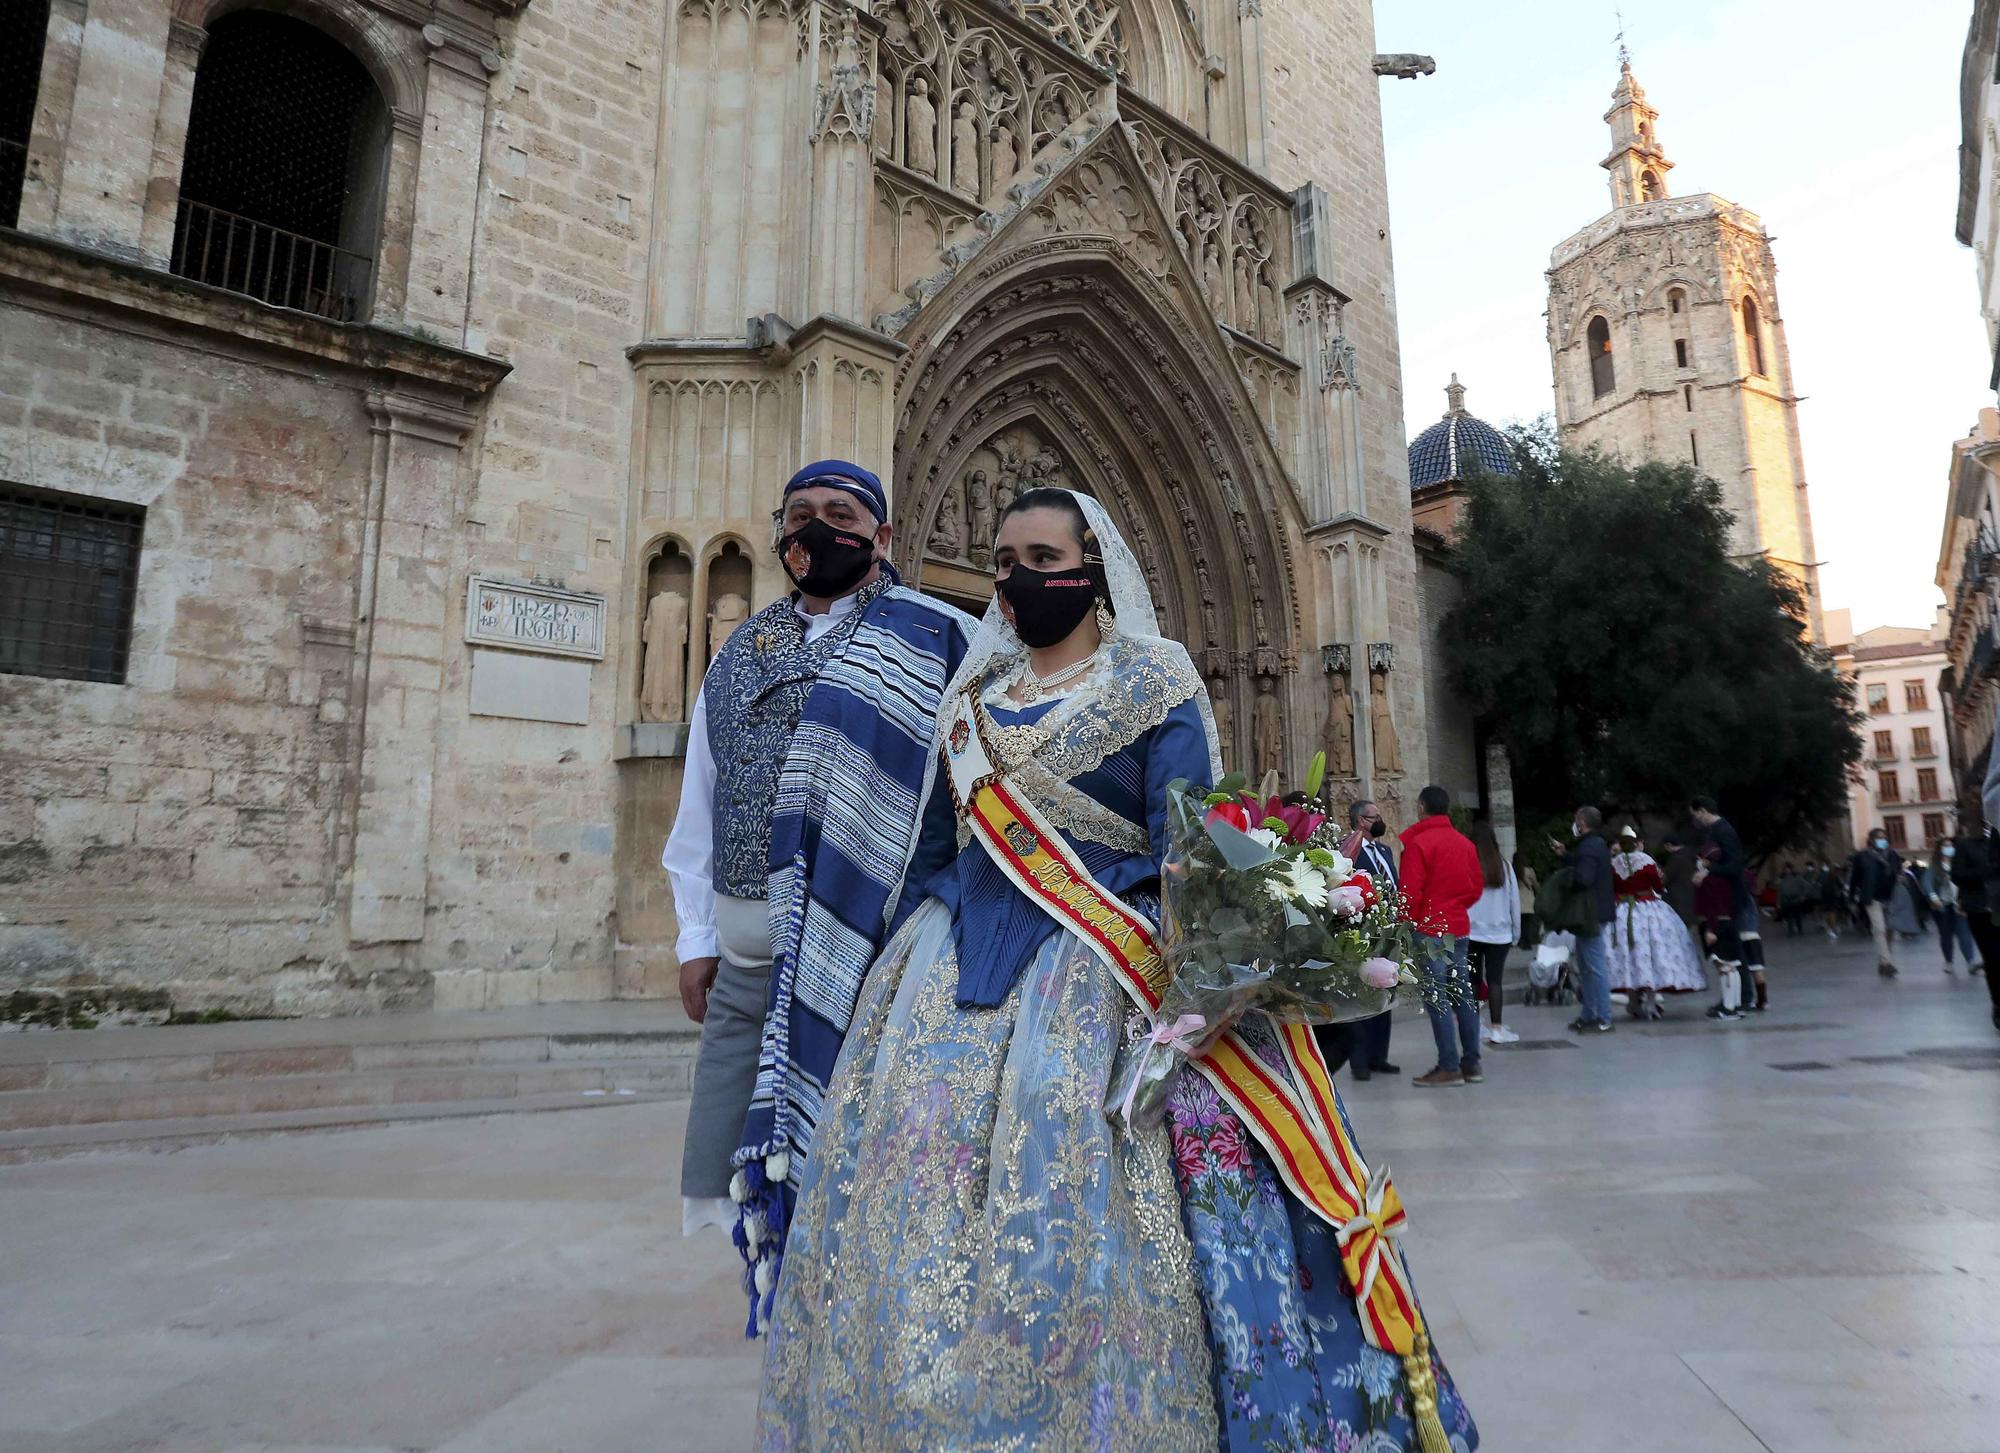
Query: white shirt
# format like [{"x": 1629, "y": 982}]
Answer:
[
  {"x": 1496, "y": 917},
  {"x": 689, "y": 854}
]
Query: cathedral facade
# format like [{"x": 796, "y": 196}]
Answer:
[
  {"x": 394, "y": 400},
  {"x": 1667, "y": 343}
]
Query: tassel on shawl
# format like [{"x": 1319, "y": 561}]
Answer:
[{"x": 1422, "y": 1379}]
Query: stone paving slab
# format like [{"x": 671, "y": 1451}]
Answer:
[{"x": 1657, "y": 1243}]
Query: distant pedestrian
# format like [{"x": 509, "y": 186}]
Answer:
[
  {"x": 1872, "y": 875},
  {"x": 1441, "y": 882},
  {"x": 1832, "y": 901},
  {"x": 1650, "y": 952},
  {"x": 1976, "y": 872},
  {"x": 1363, "y": 1044},
  {"x": 1589, "y": 861},
  {"x": 1723, "y": 847},
  {"x": 1795, "y": 896},
  {"x": 1495, "y": 926},
  {"x": 1715, "y": 895},
  {"x": 1531, "y": 884},
  {"x": 1906, "y": 905},
  {"x": 1942, "y": 894}
]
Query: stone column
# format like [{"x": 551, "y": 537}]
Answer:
[
  {"x": 109, "y": 152},
  {"x": 406, "y": 607},
  {"x": 62, "y": 54},
  {"x": 163, "y": 187},
  {"x": 845, "y": 376},
  {"x": 1250, "y": 66},
  {"x": 447, "y": 186},
  {"x": 841, "y": 53}
]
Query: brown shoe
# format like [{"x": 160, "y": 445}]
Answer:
[{"x": 1438, "y": 1077}]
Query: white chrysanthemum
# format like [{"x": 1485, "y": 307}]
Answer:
[
  {"x": 1341, "y": 871},
  {"x": 1265, "y": 837},
  {"x": 1297, "y": 881}
]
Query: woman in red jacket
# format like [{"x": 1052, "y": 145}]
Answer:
[{"x": 1441, "y": 881}]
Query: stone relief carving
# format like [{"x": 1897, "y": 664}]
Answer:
[
  {"x": 965, "y": 150},
  {"x": 1090, "y": 28},
  {"x": 1225, "y": 732},
  {"x": 728, "y": 612},
  {"x": 663, "y": 685},
  {"x": 845, "y": 102},
  {"x": 1011, "y": 462},
  {"x": 920, "y": 133},
  {"x": 1339, "y": 725},
  {"x": 1267, "y": 728},
  {"x": 1382, "y": 726}
]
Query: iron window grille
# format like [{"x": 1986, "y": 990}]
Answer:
[{"x": 69, "y": 567}]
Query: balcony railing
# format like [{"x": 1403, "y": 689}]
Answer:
[
  {"x": 285, "y": 269},
  {"x": 13, "y": 172}
]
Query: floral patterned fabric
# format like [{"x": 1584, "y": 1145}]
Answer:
[
  {"x": 980, "y": 1261},
  {"x": 1292, "y": 1372}
]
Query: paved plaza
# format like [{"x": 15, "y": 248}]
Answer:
[{"x": 1781, "y": 1235}]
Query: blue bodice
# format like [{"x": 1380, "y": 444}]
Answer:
[{"x": 996, "y": 926}]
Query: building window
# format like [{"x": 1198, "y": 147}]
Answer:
[
  {"x": 1934, "y": 828},
  {"x": 1888, "y": 787},
  {"x": 1675, "y": 298},
  {"x": 1694, "y": 450},
  {"x": 1649, "y": 187},
  {"x": 69, "y": 566},
  {"x": 1920, "y": 742},
  {"x": 1687, "y": 396},
  {"x": 1927, "y": 784},
  {"x": 1878, "y": 698},
  {"x": 1899, "y": 836},
  {"x": 1603, "y": 376},
  {"x": 287, "y": 146},
  {"x": 1915, "y": 698},
  {"x": 1753, "y": 336},
  {"x": 1680, "y": 353},
  {"x": 1885, "y": 746},
  {"x": 25, "y": 26}
]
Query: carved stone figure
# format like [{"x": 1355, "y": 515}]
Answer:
[
  {"x": 1339, "y": 725},
  {"x": 947, "y": 540},
  {"x": 728, "y": 612},
  {"x": 1211, "y": 276},
  {"x": 920, "y": 136},
  {"x": 1267, "y": 730},
  {"x": 1004, "y": 163},
  {"x": 965, "y": 150},
  {"x": 1225, "y": 734},
  {"x": 1004, "y": 490},
  {"x": 663, "y": 682},
  {"x": 1246, "y": 293},
  {"x": 979, "y": 517},
  {"x": 1382, "y": 727}
]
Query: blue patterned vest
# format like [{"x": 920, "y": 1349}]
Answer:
[{"x": 753, "y": 696}]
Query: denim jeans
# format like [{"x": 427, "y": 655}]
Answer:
[
  {"x": 1954, "y": 931},
  {"x": 1593, "y": 988},
  {"x": 1455, "y": 1019}
]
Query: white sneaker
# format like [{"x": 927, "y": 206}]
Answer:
[
  {"x": 1503, "y": 1035},
  {"x": 1485, "y": 1034}
]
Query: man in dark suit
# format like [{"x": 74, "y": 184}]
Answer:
[{"x": 1364, "y": 1043}]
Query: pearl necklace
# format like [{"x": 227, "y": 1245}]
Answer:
[{"x": 1033, "y": 688}]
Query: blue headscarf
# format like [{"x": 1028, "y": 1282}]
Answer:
[{"x": 839, "y": 474}]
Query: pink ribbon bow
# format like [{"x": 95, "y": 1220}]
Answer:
[{"x": 1178, "y": 1036}]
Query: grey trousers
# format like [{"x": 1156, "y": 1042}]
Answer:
[{"x": 725, "y": 1070}]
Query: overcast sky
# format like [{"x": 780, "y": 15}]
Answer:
[{"x": 1836, "y": 121}]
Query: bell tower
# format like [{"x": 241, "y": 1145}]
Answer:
[
  {"x": 1638, "y": 164},
  {"x": 1667, "y": 342}
]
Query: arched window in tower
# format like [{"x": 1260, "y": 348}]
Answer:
[
  {"x": 1753, "y": 337},
  {"x": 1676, "y": 300},
  {"x": 1603, "y": 378},
  {"x": 281, "y": 192},
  {"x": 1649, "y": 187},
  {"x": 24, "y": 30}
]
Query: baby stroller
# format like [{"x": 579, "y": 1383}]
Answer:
[{"x": 1550, "y": 980}]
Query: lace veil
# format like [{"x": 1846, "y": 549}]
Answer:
[{"x": 1131, "y": 602}]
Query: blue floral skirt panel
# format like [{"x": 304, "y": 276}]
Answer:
[{"x": 1292, "y": 1372}]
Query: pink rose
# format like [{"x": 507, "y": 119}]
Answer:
[
  {"x": 1346, "y": 901},
  {"x": 1380, "y": 973}
]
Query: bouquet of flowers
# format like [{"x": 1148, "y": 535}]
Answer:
[{"x": 1259, "y": 911}]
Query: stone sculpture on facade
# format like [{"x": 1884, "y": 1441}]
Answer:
[
  {"x": 663, "y": 683},
  {"x": 1339, "y": 725},
  {"x": 979, "y": 518},
  {"x": 947, "y": 540},
  {"x": 1225, "y": 734},
  {"x": 1268, "y": 729},
  {"x": 1382, "y": 727},
  {"x": 920, "y": 136},
  {"x": 729, "y": 612},
  {"x": 965, "y": 150},
  {"x": 1003, "y": 160}
]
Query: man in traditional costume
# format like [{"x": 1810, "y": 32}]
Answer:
[{"x": 808, "y": 769}]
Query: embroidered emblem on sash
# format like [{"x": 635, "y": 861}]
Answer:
[
  {"x": 1021, "y": 838},
  {"x": 961, "y": 733}
]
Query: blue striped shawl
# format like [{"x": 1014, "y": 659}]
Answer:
[{"x": 844, "y": 823}]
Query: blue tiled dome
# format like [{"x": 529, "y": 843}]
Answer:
[{"x": 1457, "y": 446}]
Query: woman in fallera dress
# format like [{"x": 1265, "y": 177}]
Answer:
[{"x": 982, "y": 1258}]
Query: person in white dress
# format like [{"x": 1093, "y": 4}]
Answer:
[{"x": 1651, "y": 954}]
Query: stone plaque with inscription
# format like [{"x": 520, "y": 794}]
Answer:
[{"x": 534, "y": 618}]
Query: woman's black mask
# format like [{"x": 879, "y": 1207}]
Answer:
[{"x": 1048, "y": 604}]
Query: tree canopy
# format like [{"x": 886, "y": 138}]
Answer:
[{"x": 1607, "y": 638}]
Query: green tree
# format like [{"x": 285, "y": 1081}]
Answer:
[{"x": 1606, "y": 637}]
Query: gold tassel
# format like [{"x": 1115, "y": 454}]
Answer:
[{"x": 1423, "y": 1397}]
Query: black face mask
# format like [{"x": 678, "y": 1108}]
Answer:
[
  {"x": 823, "y": 561},
  {"x": 1378, "y": 828},
  {"x": 1048, "y": 604}
]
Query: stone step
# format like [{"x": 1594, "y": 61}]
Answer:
[
  {"x": 300, "y": 1089},
  {"x": 54, "y": 1142}
]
